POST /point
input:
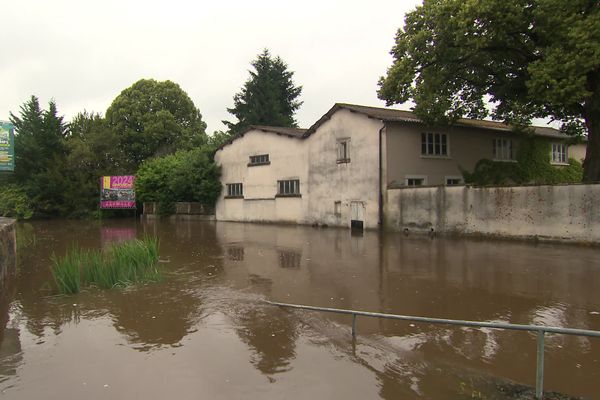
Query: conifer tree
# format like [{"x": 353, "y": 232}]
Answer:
[
  {"x": 40, "y": 153},
  {"x": 269, "y": 96}
]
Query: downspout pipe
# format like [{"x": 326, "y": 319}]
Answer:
[{"x": 380, "y": 222}]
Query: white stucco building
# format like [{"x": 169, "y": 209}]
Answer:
[{"x": 339, "y": 171}]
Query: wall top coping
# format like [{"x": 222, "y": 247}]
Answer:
[{"x": 594, "y": 184}]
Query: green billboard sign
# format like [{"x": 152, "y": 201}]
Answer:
[{"x": 7, "y": 146}]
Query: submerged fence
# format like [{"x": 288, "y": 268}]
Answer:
[{"x": 541, "y": 330}]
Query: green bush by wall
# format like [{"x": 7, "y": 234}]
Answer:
[{"x": 183, "y": 176}]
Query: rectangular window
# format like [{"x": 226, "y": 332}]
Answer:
[
  {"x": 454, "y": 180},
  {"x": 262, "y": 159},
  {"x": 288, "y": 188},
  {"x": 503, "y": 150},
  {"x": 434, "y": 144},
  {"x": 337, "y": 208},
  {"x": 343, "y": 147},
  {"x": 559, "y": 153},
  {"x": 415, "y": 180},
  {"x": 235, "y": 190}
]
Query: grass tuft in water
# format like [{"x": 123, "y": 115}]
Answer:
[
  {"x": 66, "y": 271},
  {"x": 119, "y": 265}
]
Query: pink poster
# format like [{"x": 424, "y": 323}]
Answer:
[{"x": 117, "y": 192}]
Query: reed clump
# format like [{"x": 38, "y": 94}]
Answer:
[{"x": 119, "y": 265}]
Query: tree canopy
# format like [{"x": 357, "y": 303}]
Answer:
[
  {"x": 58, "y": 165},
  {"x": 153, "y": 118},
  {"x": 528, "y": 58},
  {"x": 269, "y": 96}
]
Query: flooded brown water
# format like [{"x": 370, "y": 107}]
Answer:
[{"x": 205, "y": 333}]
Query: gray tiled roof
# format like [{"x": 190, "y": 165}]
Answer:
[
  {"x": 279, "y": 130},
  {"x": 294, "y": 132},
  {"x": 393, "y": 115}
]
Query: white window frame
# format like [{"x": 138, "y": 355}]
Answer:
[
  {"x": 422, "y": 177},
  {"x": 434, "y": 141},
  {"x": 559, "y": 153},
  {"x": 460, "y": 179},
  {"x": 288, "y": 188},
  {"x": 503, "y": 149},
  {"x": 343, "y": 150},
  {"x": 259, "y": 159},
  {"x": 235, "y": 190}
]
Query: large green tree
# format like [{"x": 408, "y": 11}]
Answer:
[
  {"x": 269, "y": 96},
  {"x": 93, "y": 151},
  {"x": 527, "y": 58},
  {"x": 153, "y": 118}
]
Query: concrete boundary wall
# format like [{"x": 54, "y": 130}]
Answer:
[
  {"x": 8, "y": 248},
  {"x": 185, "y": 211},
  {"x": 553, "y": 212}
]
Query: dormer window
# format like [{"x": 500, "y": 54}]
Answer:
[{"x": 262, "y": 159}]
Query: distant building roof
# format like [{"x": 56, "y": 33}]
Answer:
[
  {"x": 297, "y": 133},
  {"x": 393, "y": 115}
]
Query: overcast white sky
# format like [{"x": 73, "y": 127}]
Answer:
[{"x": 83, "y": 54}]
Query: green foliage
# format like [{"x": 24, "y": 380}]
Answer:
[
  {"x": 120, "y": 265},
  {"x": 58, "y": 165},
  {"x": 40, "y": 151},
  {"x": 267, "y": 98},
  {"x": 217, "y": 139},
  {"x": 66, "y": 270},
  {"x": 530, "y": 58},
  {"x": 93, "y": 151},
  {"x": 152, "y": 118},
  {"x": 532, "y": 166},
  {"x": 14, "y": 202},
  {"x": 184, "y": 176}
]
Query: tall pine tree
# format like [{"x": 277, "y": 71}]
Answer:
[
  {"x": 269, "y": 97},
  {"x": 40, "y": 151}
]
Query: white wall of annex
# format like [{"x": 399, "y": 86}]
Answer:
[{"x": 287, "y": 158}]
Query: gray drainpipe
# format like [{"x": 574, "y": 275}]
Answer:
[{"x": 381, "y": 176}]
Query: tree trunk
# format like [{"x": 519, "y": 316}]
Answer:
[{"x": 591, "y": 164}]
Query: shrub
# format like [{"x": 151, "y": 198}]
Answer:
[
  {"x": 14, "y": 202},
  {"x": 184, "y": 176}
]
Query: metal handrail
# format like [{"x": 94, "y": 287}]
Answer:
[{"x": 541, "y": 330}]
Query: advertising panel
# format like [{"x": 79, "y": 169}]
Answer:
[
  {"x": 7, "y": 147},
  {"x": 117, "y": 192}
]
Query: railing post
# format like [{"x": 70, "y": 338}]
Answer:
[
  {"x": 539, "y": 378},
  {"x": 354, "y": 326}
]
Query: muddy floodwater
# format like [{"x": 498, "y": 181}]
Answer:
[{"x": 205, "y": 332}]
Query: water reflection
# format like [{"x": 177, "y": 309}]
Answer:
[
  {"x": 289, "y": 258},
  {"x": 235, "y": 253},
  {"x": 218, "y": 273}
]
